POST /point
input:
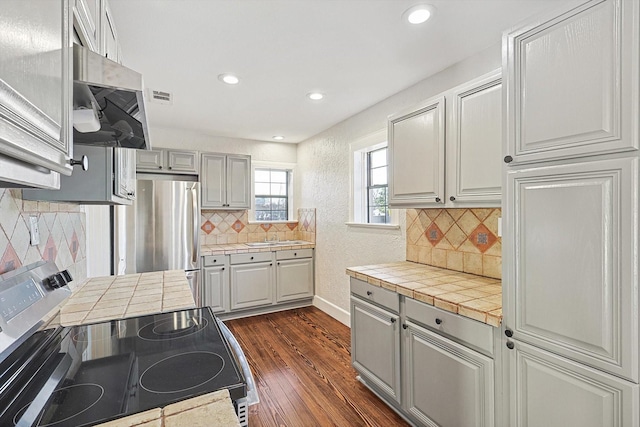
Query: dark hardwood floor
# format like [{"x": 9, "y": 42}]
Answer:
[{"x": 301, "y": 363}]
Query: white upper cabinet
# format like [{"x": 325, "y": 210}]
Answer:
[
  {"x": 474, "y": 142},
  {"x": 86, "y": 23},
  {"x": 571, "y": 253},
  {"x": 167, "y": 161},
  {"x": 226, "y": 181},
  {"x": 572, "y": 84},
  {"x": 416, "y": 154},
  {"x": 35, "y": 92}
]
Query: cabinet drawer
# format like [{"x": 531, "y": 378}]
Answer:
[
  {"x": 211, "y": 260},
  {"x": 376, "y": 294},
  {"x": 466, "y": 331},
  {"x": 251, "y": 257},
  {"x": 294, "y": 253}
]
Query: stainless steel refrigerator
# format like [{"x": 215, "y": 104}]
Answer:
[{"x": 161, "y": 229}]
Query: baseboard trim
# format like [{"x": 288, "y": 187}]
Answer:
[{"x": 332, "y": 310}]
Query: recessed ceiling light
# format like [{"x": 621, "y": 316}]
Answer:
[
  {"x": 418, "y": 14},
  {"x": 229, "y": 79},
  {"x": 316, "y": 96},
  {"x": 278, "y": 137}
]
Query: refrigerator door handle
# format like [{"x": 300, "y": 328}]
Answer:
[{"x": 196, "y": 219}]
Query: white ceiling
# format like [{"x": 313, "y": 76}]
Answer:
[{"x": 357, "y": 52}]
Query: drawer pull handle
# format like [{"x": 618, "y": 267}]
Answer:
[
  {"x": 510, "y": 345},
  {"x": 438, "y": 321},
  {"x": 369, "y": 293},
  {"x": 295, "y": 254},
  {"x": 508, "y": 333},
  {"x": 251, "y": 257},
  {"x": 405, "y": 326}
]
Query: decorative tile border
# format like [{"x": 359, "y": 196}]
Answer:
[{"x": 457, "y": 239}]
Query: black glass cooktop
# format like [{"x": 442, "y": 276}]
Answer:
[{"x": 86, "y": 375}]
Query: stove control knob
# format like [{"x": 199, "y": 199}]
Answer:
[
  {"x": 67, "y": 276},
  {"x": 49, "y": 282}
]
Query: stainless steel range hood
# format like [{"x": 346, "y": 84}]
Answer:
[{"x": 108, "y": 103}]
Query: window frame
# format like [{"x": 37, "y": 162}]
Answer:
[
  {"x": 369, "y": 184},
  {"x": 287, "y": 167}
]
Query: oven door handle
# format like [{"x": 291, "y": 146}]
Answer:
[
  {"x": 252, "y": 391},
  {"x": 29, "y": 418}
]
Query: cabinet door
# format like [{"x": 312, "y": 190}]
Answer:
[
  {"x": 215, "y": 288},
  {"x": 375, "y": 346},
  {"x": 125, "y": 173},
  {"x": 571, "y": 251},
  {"x": 251, "y": 285},
  {"x": 35, "y": 86},
  {"x": 110, "y": 46},
  {"x": 547, "y": 390},
  {"x": 238, "y": 182},
  {"x": 294, "y": 279},
  {"x": 182, "y": 161},
  {"x": 572, "y": 83},
  {"x": 214, "y": 180},
  {"x": 474, "y": 143},
  {"x": 416, "y": 155},
  {"x": 150, "y": 160},
  {"x": 447, "y": 384},
  {"x": 86, "y": 22}
]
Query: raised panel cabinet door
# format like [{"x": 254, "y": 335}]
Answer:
[
  {"x": 214, "y": 180},
  {"x": 447, "y": 384},
  {"x": 150, "y": 160},
  {"x": 571, "y": 251},
  {"x": 294, "y": 279},
  {"x": 110, "y": 48},
  {"x": 474, "y": 143},
  {"x": 239, "y": 182},
  {"x": 549, "y": 391},
  {"x": 35, "y": 85},
  {"x": 416, "y": 155},
  {"x": 86, "y": 22},
  {"x": 375, "y": 346},
  {"x": 251, "y": 285},
  {"x": 182, "y": 161},
  {"x": 215, "y": 288},
  {"x": 571, "y": 82}
]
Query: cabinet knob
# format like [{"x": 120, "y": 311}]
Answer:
[
  {"x": 438, "y": 321},
  {"x": 508, "y": 159},
  {"x": 295, "y": 254},
  {"x": 404, "y": 326},
  {"x": 369, "y": 293},
  {"x": 453, "y": 199},
  {"x": 510, "y": 345},
  {"x": 251, "y": 258},
  {"x": 159, "y": 167},
  {"x": 393, "y": 320},
  {"x": 278, "y": 263},
  {"x": 438, "y": 199},
  {"x": 215, "y": 260},
  {"x": 222, "y": 268},
  {"x": 131, "y": 193},
  {"x": 84, "y": 162},
  {"x": 170, "y": 168},
  {"x": 508, "y": 333}
]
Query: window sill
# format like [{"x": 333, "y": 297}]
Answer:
[
  {"x": 373, "y": 226},
  {"x": 274, "y": 222}
]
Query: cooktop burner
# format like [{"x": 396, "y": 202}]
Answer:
[
  {"x": 104, "y": 371},
  {"x": 182, "y": 372},
  {"x": 173, "y": 327}
]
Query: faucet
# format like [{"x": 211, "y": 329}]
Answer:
[{"x": 273, "y": 239}]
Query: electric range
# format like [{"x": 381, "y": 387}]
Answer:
[{"x": 89, "y": 374}]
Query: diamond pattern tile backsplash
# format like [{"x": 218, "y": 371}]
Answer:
[
  {"x": 458, "y": 239},
  {"x": 223, "y": 227},
  {"x": 62, "y": 234}
]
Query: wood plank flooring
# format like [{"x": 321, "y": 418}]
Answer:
[{"x": 301, "y": 363}]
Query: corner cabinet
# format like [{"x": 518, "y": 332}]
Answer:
[
  {"x": 167, "y": 161},
  {"x": 447, "y": 151},
  {"x": 35, "y": 106},
  {"x": 226, "y": 181},
  {"x": 416, "y": 154}
]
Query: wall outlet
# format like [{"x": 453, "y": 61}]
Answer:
[{"x": 34, "y": 232}]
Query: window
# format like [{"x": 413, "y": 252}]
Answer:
[
  {"x": 377, "y": 188},
  {"x": 271, "y": 194}
]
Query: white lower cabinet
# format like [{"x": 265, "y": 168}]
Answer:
[
  {"x": 375, "y": 346},
  {"x": 439, "y": 375},
  {"x": 252, "y": 282},
  {"x": 447, "y": 384},
  {"x": 294, "y": 274},
  {"x": 551, "y": 391}
]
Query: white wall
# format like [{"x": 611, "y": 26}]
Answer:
[
  {"x": 188, "y": 140},
  {"x": 323, "y": 182}
]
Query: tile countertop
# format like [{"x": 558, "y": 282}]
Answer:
[
  {"x": 240, "y": 248},
  {"x": 214, "y": 409},
  {"x": 117, "y": 297},
  {"x": 476, "y": 297}
]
